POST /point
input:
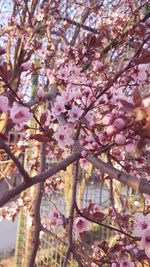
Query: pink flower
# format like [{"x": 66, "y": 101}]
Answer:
[
  {"x": 141, "y": 73},
  {"x": 81, "y": 225},
  {"x": 84, "y": 153},
  {"x": 59, "y": 106},
  {"x": 130, "y": 148},
  {"x": 145, "y": 242},
  {"x": 20, "y": 114},
  {"x": 119, "y": 123},
  {"x": 40, "y": 94},
  {"x": 97, "y": 208},
  {"x": 89, "y": 117},
  {"x": 97, "y": 66},
  {"x": 120, "y": 139},
  {"x": 84, "y": 163},
  {"x": 63, "y": 137},
  {"x": 75, "y": 93},
  {"x": 56, "y": 218},
  {"x": 126, "y": 263},
  {"x": 26, "y": 66},
  {"x": 48, "y": 117},
  {"x": 146, "y": 102},
  {"x": 63, "y": 74},
  {"x": 66, "y": 96},
  {"x": 136, "y": 204},
  {"x": 75, "y": 113},
  {"x": 4, "y": 103},
  {"x": 107, "y": 119},
  {"x": 111, "y": 130},
  {"x": 141, "y": 224}
]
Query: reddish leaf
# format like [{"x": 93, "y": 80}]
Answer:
[
  {"x": 49, "y": 133},
  {"x": 115, "y": 248},
  {"x": 2, "y": 51},
  {"x": 137, "y": 97},
  {"x": 43, "y": 119},
  {"x": 127, "y": 105},
  {"x": 4, "y": 136},
  {"x": 5, "y": 71},
  {"x": 99, "y": 216},
  {"x": 38, "y": 137},
  {"x": 144, "y": 59}
]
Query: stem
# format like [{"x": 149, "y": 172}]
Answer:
[
  {"x": 71, "y": 214},
  {"x": 36, "y": 228},
  {"x": 21, "y": 169}
]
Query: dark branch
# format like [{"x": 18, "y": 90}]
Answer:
[
  {"x": 21, "y": 169},
  {"x": 38, "y": 178}
]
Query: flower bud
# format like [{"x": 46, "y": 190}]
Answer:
[{"x": 120, "y": 139}]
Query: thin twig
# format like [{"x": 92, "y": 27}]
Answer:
[{"x": 20, "y": 167}]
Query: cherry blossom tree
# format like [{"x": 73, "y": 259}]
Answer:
[{"x": 74, "y": 80}]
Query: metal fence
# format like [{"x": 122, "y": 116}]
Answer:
[{"x": 51, "y": 252}]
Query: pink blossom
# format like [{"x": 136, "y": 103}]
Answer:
[
  {"x": 97, "y": 66},
  {"x": 66, "y": 96},
  {"x": 59, "y": 106},
  {"x": 119, "y": 123},
  {"x": 20, "y": 114},
  {"x": 120, "y": 139},
  {"x": 40, "y": 94},
  {"x": 54, "y": 216},
  {"x": 111, "y": 130},
  {"x": 26, "y": 66},
  {"x": 136, "y": 204},
  {"x": 146, "y": 104},
  {"x": 20, "y": 94},
  {"x": 145, "y": 242},
  {"x": 75, "y": 113},
  {"x": 130, "y": 148},
  {"x": 141, "y": 73},
  {"x": 48, "y": 117},
  {"x": 97, "y": 208},
  {"x": 126, "y": 263},
  {"x": 74, "y": 70},
  {"x": 84, "y": 163},
  {"x": 84, "y": 153},
  {"x": 76, "y": 93},
  {"x": 81, "y": 225},
  {"x": 103, "y": 137},
  {"x": 89, "y": 117},
  {"x": 63, "y": 137},
  {"x": 141, "y": 224},
  {"x": 4, "y": 103},
  {"x": 63, "y": 74},
  {"x": 107, "y": 119}
]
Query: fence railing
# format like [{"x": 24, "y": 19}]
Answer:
[{"x": 51, "y": 252}]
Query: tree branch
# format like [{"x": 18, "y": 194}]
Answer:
[
  {"x": 37, "y": 199},
  {"x": 7, "y": 196},
  {"x": 141, "y": 186},
  {"x": 71, "y": 214},
  {"x": 21, "y": 169},
  {"x": 87, "y": 28}
]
